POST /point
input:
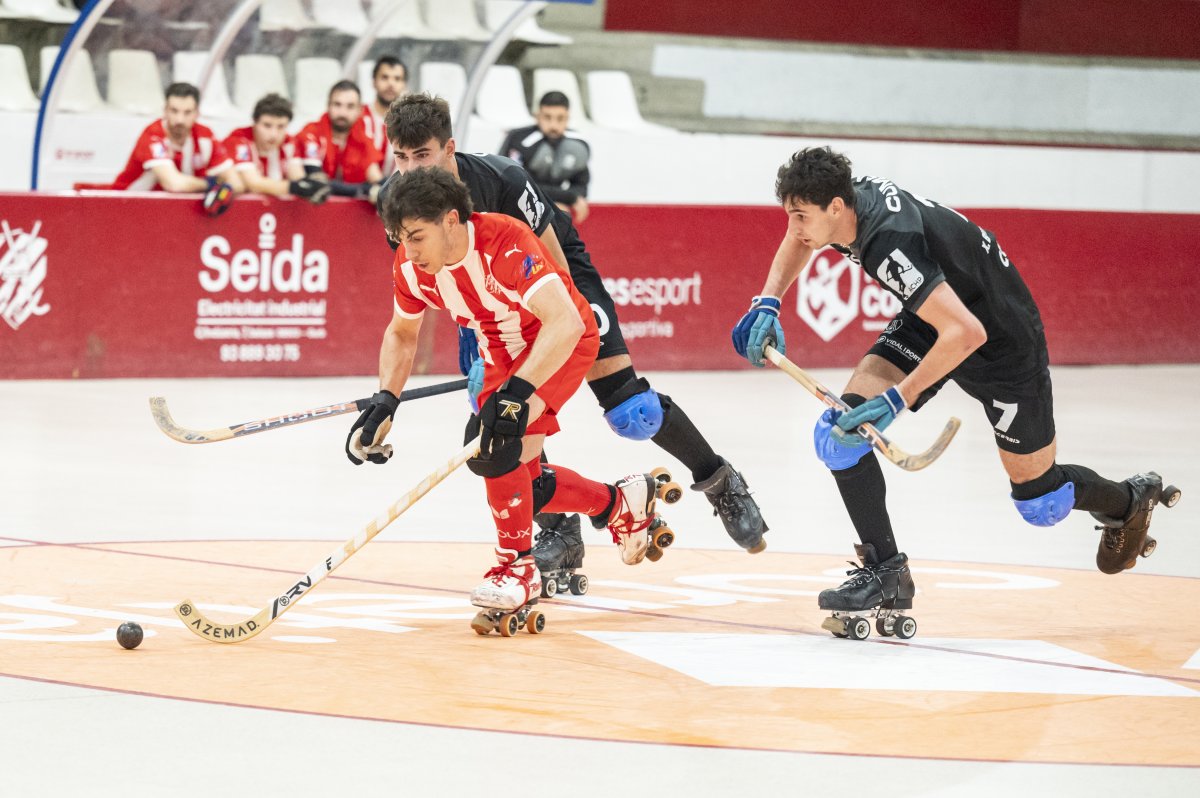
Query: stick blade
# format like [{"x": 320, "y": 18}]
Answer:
[
  {"x": 214, "y": 632},
  {"x": 162, "y": 417},
  {"x": 915, "y": 462}
]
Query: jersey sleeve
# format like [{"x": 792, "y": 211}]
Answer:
[
  {"x": 901, "y": 262},
  {"x": 522, "y": 199},
  {"x": 523, "y": 266},
  {"x": 242, "y": 153},
  {"x": 311, "y": 148},
  {"x": 151, "y": 150},
  {"x": 405, "y": 292},
  {"x": 220, "y": 160}
]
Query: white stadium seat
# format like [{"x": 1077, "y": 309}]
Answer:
[
  {"x": 497, "y": 12},
  {"x": 284, "y": 15},
  {"x": 346, "y": 16},
  {"x": 548, "y": 79},
  {"x": 134, "y": 84},
  {"x": 366, "y": 85},
  {"x": 255, "y": 75},
  {"x": 613, "y": 103},
  {"x": 314, "y": 78},
  {"x": 456, "y": 19},
  {"x": 501, "y": 99},
  {"x": 214, "y": 98},
  {"x": 404, "y": 20},
  {"x": 45, "y": 10},
  {"x": 447, "y": 80},
  {"x": 16, "y": 93},
  {"x": 78, "y": 92}
]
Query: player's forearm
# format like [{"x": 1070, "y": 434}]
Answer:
[
  {"x": 260, "y": 184},
  {"x": 550, "y": 239},
  {"x": 953, "y": 346},
  {"x": 551, "y": 349},
  {"x": 177, "y": 182},
  {"x": 396, "y": 357},
  {"x": 790, "y": 259}
]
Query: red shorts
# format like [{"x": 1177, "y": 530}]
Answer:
[{"x": 555, "y": 391}]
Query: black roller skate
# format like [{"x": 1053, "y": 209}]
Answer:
[
  {"x": 1123, "y": 540},
  {"x": 874, "y": 590},
  {"x": 558, "y": 550},
  {"x": 727, "y": 492}
]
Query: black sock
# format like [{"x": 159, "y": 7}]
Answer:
[
  {"x": 1093, "y": 492},
  {"x": 679, "y": 437},
  {"x": 864, "y": 492}
]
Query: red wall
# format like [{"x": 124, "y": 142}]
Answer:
[
  {"x": 1134, "y": 28},
  {"x": 123, "y": 286}
]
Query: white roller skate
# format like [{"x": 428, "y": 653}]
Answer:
[
  {"x": 637, "y": 530},
  {"x": 507, "y": 595}
]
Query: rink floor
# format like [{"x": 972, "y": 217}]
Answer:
[{"x": 706, "y": 673}]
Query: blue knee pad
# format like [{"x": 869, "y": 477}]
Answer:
[
  {"x": 1049, "y": 509},
  {"x": 638, "y": 418},
  {"x": 835, "y": 454}
]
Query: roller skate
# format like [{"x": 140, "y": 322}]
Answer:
[
  {"x": 507, "y": 595},
  {"x": 639, "y": 532},
  {"x": 727, "y": 492},
  {"x": 1123, "y": 540},
  {"x": 558, "y": 551},
  {"x": 874, "y": 590}
]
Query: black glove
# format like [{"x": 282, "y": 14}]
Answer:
[
  {"x": 218, "y": 197},
  {"x": 505, "y": 414},
  {"x": 375, "y": 422},
  {"x": 370, "y": 192},
  {"x": 314, "y": 188}
]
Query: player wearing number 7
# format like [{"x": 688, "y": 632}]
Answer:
[{"x": 968, "y": 316}]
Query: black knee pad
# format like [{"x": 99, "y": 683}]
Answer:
[{"x": 543, "y": 489}]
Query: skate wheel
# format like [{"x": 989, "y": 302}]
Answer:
[
  {"x": 858, "y": 628},
  {"x": 663, "y": 537},
  {"x": 904, "y": 627},
  {"x": 508, "y": 625},
  {"x": 1170, "y": 495},
  {"x": 1149, "y": 546},
  {"x": 881, "y": 626},
  {"x": 757, "y": 548},
  {"x": 670, "y": 492},
  {"x": 654, "y": 554},
  {"x": 549, "y": 588},
  {"x": 481, "y": 624},
  {"x": 578, "y": 584},
  {"x": 661, "y": 475},
  {"x": 535, "y": 623}
]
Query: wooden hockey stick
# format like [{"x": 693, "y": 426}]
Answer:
[
  {"x": 909, "y": 462},
  {"x": 244, "y": 630},
  {"x": 162, "y": 415}
]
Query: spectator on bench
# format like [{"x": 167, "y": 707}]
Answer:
[
  {"x": 390, "y": 80},
  {"x": 268, "y": 159},
  {"x": 558, "y": 162},
  {"x": 339, "y": 145}
]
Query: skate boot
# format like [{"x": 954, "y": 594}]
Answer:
[
  {"x": 727, "y": 492},
  {"x": 507, "y": 595},
  {"x": 1124, "y": 539},
  {"x": 875, "y": 589},
  {"x": 558, "y": 551},
  {"x": 637, "y": 530}
]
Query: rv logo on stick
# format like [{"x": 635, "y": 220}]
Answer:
[{"x": 22, "y": 271}]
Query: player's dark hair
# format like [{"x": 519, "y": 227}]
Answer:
[
  {"x": 183, "y": 90},
  {"x": 345, "y": 85},
  {"x": 273, "y": 105},
  {"x": 416, "y": 118},
  {"x": 389, "y": 61},
  {"x": 555, "y": 99},
  {"x": 425, "y": 194},
  {"x": 815, "y": 176}
]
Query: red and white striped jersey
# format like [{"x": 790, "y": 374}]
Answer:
[
  {"x": 201, "y": 155},
  {"x": 241, "y": 147},
  {"x": 489, "y": 290},
  {"x": 378, "y": 132}
]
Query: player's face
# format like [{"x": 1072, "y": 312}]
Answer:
[
  {"x": 552, "y": 121},
  {"x": 426, "y": 242},
  {"x": 180, "y": 115},
  {"x": 431, "y": 153},
  {"x": 269, "y": 132},
  {"x": 810, "y": 224},
  {"x": 344, "y": 108},
  {"x": 390, "y": 83}
]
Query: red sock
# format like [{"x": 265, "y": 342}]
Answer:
[
  {"x": 511, "y": 498},
  {"x": 576, "y": 494}
]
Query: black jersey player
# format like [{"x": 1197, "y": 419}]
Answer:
[
  {"x": 966, "y": 315},
  {"x": 419, "y": 129}
]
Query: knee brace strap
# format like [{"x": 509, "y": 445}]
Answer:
[
  {"x": 543, "y": 489},
  {"x": 1050, "y": 508},
  {"x": 639, "y": 417},
  {"x": 835, "y": 454}
]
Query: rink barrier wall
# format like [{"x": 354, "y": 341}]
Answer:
[{"x": 131, "y": 285}]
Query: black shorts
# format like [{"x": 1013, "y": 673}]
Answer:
[
  {"x": 589, "y": 283},
  {"x": 1021, "y": 411}
]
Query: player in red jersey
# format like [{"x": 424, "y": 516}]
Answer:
[
  {"x": 179, "y": 155},
  {"x": 340, "y": 145},
  {"x": 493, "y": 274},
  {"x": 268, "y": 159},
  {"x": 390, "y": 81}
]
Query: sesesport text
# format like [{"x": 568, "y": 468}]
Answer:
[{"x": 655, "y": 292}]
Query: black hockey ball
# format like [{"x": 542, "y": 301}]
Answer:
[{"x": 129, "y": 635}]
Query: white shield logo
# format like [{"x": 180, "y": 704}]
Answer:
[{"x": 821, "y": 300}]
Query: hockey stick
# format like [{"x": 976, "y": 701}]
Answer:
[
  {"x": 909, "y": 462},
  {"x": 215, "y": 632},
  {"x": 162, "y": 416}
]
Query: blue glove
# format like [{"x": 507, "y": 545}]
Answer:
[
  {"x": 759, "y": 327},
  {"x": 878, "y": 412},
  {"x": 468, "y": 350},
  {"x": 475, "y": 384}
]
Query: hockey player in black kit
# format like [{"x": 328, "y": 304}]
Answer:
[
  {"x": 419, "y": 129},
  {"x": 968, "y": 316}
]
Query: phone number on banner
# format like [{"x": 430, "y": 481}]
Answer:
[{"x": 260, "y": 353}]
